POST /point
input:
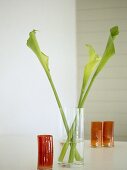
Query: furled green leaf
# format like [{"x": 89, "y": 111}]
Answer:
[
  {"x": 90, "y": 66},
  {"x": 108, "y": 53},
  {"x": 109, "y": 50},
  {"x": 88, "y": 69},
  {"x": 33, "y": 44}
]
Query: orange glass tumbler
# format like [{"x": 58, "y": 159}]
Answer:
[
  {"x": 108, "y": 133},
  {"x": 45, "y": 152},
  {"x": 96, "y": 134}
]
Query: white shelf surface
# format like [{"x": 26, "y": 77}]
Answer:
[{"x": 20, "y": 153}]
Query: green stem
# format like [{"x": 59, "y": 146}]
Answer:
[
  {"x": 72, "y": 152},
  {"x": 87, "y": 91},
  {"x": 58, "y": 102},
  {"x": 72, "y": 149},
  {"x": 73, "y": 144},
  {"x": 66, "y": 144},
  {"x": 81, "y": 95},
  {"x": 77, "y": 155},
  {"x": 81, "y": 103},
  {"x": 64, "y": 150},
  {"x": 59, "y": 105}
]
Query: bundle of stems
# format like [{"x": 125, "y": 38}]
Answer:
[{"x": 91, "y": 70}]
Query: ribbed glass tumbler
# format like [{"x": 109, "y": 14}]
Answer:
[
  {"x": 71, "y": 150},
  {"x": 45, "y": 152},
  {"x": 96, "y": 134},
  {"x": 108, "y": 133}
]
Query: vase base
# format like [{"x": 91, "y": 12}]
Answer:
[
  {"x": 71, "y": 165},
  {"x": 45, "y": 168}
]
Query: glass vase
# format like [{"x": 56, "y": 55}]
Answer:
[{"x": 71, "y": 144}]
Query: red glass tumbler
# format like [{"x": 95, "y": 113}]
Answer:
[
  {"x": 96, "y": 134},
  {"x": 45, "y": 152},
  {"x": 108, "y": 133}
]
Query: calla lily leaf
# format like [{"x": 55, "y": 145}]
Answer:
[
  {"x": 33, "y": 45},
  {"x": 108, "y": 53},
  {"x": 90, "y": 66},
  {"x": 109, "y": 50}
]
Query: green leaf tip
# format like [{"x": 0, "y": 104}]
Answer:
[
  {"x": 114, "y": 30},
  {"x": 32, "y": 43},
  {"x": 92, "y": 53},
  {"x": 34, "y": 31}
]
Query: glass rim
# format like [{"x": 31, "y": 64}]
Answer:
[
  {"x": 45, "y": 135},
  {"x": 110, "y": 121},
  {"x": 72, "y": 107},
  {"x": 96, "y": 122}
]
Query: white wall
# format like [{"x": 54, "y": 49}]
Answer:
[
  {"x": 27, "y": 104},
  {"x": 107, "y": 99}
]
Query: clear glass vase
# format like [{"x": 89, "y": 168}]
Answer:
[{"x": 71, "y": 144}]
